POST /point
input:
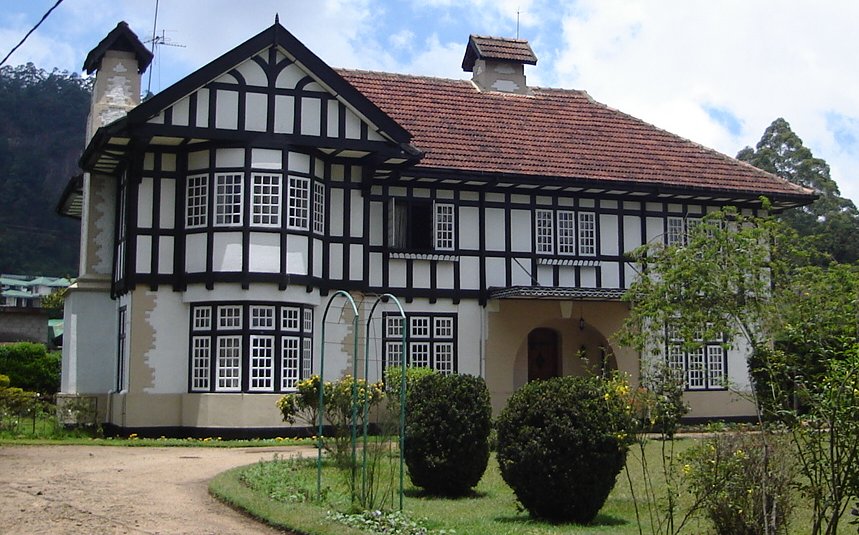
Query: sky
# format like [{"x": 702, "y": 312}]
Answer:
[{"x": 715, "y": 72}]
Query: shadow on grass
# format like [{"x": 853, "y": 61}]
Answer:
[
  {"x": 424, "y": 495},
  {"x": 600, "y": 520}
]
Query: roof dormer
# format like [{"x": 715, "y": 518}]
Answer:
[{"x": 498, "y": 63}]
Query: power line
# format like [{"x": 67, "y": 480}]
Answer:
[{"x": 31, "y": 31}]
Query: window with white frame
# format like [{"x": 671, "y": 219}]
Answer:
[
  {"x": 421, "y": 225},
  {"x": 431, "y": 341},
  {"x": 265, "y": 200},
  {"x": 444, "y": 227},
  {"x": 249, "y": 347},
  {"x": 678, "y": 229},
  {"x": 318, "y": 207},
  {"x": 298, "y": 215},
  {"x": 197, "y": 201},
  {"x": 587, "y": 233},
  {"x": 228, "y": 199},
  {"x": 566, "y": 232},
  {"x": 702, "y": 367},
  {"x": 545, "y": 238}
]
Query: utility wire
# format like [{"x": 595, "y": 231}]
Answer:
[{"x": 31, "y": 31}]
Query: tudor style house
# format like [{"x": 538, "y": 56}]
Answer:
[{"x": 221, "y": 216}]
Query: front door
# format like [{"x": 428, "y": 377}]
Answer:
[{"x": 542, "y": 354}]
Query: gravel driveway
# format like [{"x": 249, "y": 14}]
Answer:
[{"x": 115, "y": 490}]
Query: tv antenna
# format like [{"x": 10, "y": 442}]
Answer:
[{"x": 156, "y": 41}]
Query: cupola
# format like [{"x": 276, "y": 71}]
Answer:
[{"x": 498, "y": 63}]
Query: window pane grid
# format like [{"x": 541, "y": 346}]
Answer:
[
  {"x": 394, "y": 327},
  {"x": 318, "y": 207},
  {"x": 265, "y": 202},
  {"x": 306, "y": 357},
  {"x": 262, "y": 363},
  {"x": 229, "y": 364},
  {"x": 443, "y": 354},
  {"x": 419, "y": 327},
  {"x": 587, "y": 234},
  {"x": 196, "y": 204},
  {"x": 674, "y": 231},
  {"x": 299, "y": 202},
  {"x": 566, "y": 232},
  {"x": 716, "y": 366},
  {"x": 444, "y": 227},
  {"x": 201, "y": 358},
  {"x": 544, "y": 232},
  {"x": 419, "y": 354},
  {"x": 695, "y": 372},
  {"x": 202, "y": 319},
  {"x": 432, "y": 341},
  {"x": 230, "y": 317},
  {"x": 262, "y": 317},
  {"x": 228, "y": 199},
  {"x": 289, "y": 318},
  {"x": 289, "y": 362}
]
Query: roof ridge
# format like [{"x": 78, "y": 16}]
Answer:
[
  {"x": 401, "y": 75},
  {"x": 509, "y": 39}
]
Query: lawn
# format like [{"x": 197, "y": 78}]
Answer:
[{"x": 286, "y": 490}]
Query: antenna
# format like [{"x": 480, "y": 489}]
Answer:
[
  {"x": 517, "y": 23},
  {"x": 156, "y": 41}
]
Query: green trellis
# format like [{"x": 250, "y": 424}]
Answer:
[{"x": 365, "y": 408}]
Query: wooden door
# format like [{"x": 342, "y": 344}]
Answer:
[{"x": 543, "y": 346}]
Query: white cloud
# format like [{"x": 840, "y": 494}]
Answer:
[{"x": 754, "y": 60}]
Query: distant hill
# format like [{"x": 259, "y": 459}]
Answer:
[{"x": 42, "y": 121}]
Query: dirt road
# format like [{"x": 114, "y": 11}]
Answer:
[{"x": 117, "y": 490}]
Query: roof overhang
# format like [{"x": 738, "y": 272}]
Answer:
[
  {"x": 71, "y": 200},
  {"x": 557, "y": 293},
  {"x": 626, "y": 190}
]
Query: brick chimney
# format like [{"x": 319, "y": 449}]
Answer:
[
  {"x": 498, "y": 63},
  {"x": 118, "y": 61}
]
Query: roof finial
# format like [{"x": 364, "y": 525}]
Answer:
[{"x": 276, "y": 18}]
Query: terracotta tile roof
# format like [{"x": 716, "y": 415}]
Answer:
[
  {"x": 484, "y": 47},
  {"x": 561, "y": 134}
]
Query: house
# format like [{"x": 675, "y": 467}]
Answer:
[
  {"x": 22, "y": 317},
  {"x": 221, "y": 216}
]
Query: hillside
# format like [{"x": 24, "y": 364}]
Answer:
[{"x": 42, "y": 120}]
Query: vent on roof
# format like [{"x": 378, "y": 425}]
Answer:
[{"x": 498, "y": 63}]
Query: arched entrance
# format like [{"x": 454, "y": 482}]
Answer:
[{"x": 543, "y": 354}]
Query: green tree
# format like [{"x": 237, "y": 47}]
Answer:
[
  {"x": 832, "y": 220},
  {"x": 42, "y": 120}
]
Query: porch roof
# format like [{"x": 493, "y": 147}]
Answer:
[{"x": 556, "y": 292}]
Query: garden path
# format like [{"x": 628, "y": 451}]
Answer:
[{"x": 122, "y": 490}]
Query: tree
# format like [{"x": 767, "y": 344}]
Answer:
[
  {"x": 752, "y": 278},
  {"x": 832, "y": 220},
  {"x": 42, "y": 120}
]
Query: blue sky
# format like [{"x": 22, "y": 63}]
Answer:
[{"x": 717, "y": 73}]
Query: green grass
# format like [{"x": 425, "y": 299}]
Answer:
[{"x": 284, "y": 492}]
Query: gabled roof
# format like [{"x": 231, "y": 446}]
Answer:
[
  {"x": 555, "y": 134},
  {"x": 499, "y": 48},
  {"x": 275, "y": 35},
  {"x": 120, "y": 38}
]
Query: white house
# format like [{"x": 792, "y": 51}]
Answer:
[{"x": 221, "y": 215}]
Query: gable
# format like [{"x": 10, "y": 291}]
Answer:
[{"x": 271, "y": 85}]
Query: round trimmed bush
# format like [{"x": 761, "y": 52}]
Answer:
[
  {"x": 561, "y": 444},
  {"x": 448, "y": 418}
]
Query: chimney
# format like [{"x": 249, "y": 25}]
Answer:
[
  {"x": 118, "y": 61},
  {"x": 498, "y": 63}
]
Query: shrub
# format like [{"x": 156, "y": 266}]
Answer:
[
  {"x": 562, "y": 442},
  {"x": 448, "y": 418},
  {"x": 742, "y": 481},
  {"x": 30, "y": 367}
]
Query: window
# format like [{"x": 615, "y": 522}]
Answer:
[
  {"x": 545, "y": 232},
  {"x": 431, "y": 341},
  {"x": 196, "y": 205},
  {"x": 678, "y": 229},
  {"x": 120, "y": 350},
  {"x": 299, "y": 203},
  {"x": 566, "y": 232},
  {"x": 228, "y": 199},
  {"x": 703, "y": 367},
  {"x": 444, "y": 227},
  {"x": 260, "y": 347},
  {"x": 587, "y": 234},
  {"x": 265, "y": 201},
  {"x": 319, "y": 207},
  {"x": 421, "y": 225}
]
